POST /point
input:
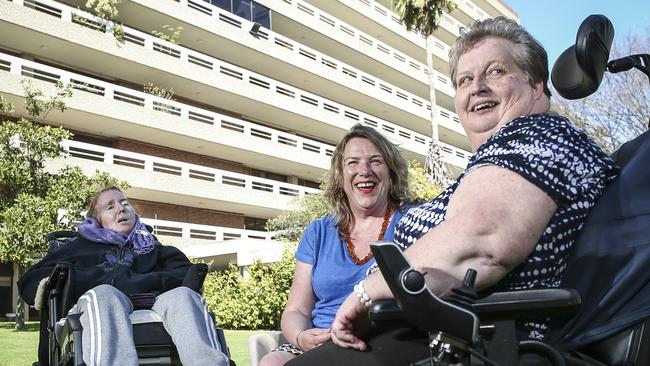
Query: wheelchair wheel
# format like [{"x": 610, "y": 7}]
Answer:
[{"x": 536, "y": 353}]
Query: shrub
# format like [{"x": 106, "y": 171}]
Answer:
[{"x": 255, "y": 302}]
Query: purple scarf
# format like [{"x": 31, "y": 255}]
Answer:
[{"x": 141, "y": 239}]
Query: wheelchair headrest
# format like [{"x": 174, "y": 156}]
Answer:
[{"x": 578, "y": 72}]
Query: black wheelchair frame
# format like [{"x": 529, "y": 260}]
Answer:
[
  {"x": 61, "y": 333},
  {"x": 465, "y": 330}
]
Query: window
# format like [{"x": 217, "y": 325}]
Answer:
[
  {"x": 223, "y": 4},
  {"x": 247, "y": 9},
  {"x": 255, "y": 223},
  {"x": 308, "y": 183},
  {"x": 243, "y": 8},
  {"x": 262, "y": 15},
  {"x": 269, "y": 175}
]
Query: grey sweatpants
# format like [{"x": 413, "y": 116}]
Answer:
[{"x": 108, "y": 336}]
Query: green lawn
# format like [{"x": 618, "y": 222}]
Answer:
[{"x": 19, "y": 348}]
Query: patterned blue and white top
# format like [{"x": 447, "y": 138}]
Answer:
[{"x": 550, "y": 153}]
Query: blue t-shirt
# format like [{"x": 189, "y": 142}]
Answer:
[{"x": 333, "y": 273}]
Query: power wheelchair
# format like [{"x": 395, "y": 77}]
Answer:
[
  {"x": 601, "y": 314},
  {"x": 61, "y": 333}
]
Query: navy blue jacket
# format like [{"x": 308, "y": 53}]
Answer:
[
  {"x": 95, "y": 264},
  {"x": 611, "y": 259}
]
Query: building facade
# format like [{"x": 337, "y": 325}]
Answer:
[{"x": 262, "y": 92}]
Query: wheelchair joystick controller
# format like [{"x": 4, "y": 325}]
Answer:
[
  {"x": 465, "y": 295},
  {"x": 452, "y": 328}
]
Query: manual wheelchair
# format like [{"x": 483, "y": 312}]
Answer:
[{"x": 61, "y": 333}]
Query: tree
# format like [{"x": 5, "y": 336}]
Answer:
[
  {"x": 419, "y": 189},
  {"x": 424, "y": 16},
  {"x": 106, "y": 9},
  {"x": 31, "y": 197},
  {"x": 619, "y": 110},
  {"x": 170, "y": 34},
  {"x": 292, "y": 223}
]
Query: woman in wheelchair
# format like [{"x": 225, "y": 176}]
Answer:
[
  {"x": 116, "y": 260},
  {"x": 367, "y": 186},
  {"x": 512, "y": 215}
]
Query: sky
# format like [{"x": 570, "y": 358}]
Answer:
[{"x": 554, "y": 22}]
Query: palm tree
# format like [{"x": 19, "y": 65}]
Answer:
[{"x": 424, "y": 16}]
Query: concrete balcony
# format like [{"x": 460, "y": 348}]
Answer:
[
  {"x": 467, "y": 11},
  {"x": 158, "y": 179},
  {"x": 317, "y": 29},
  {"x": 144, "y": 58},
  {"x": 494, "y": 8},
  {"x": 218, "y": 246},
  {"x": 275, "y": 56},
  {"x": 106, "y": 109},
  {"x": 383, "y": 24}
]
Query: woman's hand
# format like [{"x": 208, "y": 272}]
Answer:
[
  {"x": 312, "y": 338},
  {"x": 351, "y": 318}
]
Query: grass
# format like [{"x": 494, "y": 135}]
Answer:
[{"x": 19, "y": 348}]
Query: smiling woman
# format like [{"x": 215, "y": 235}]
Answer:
[{"x": 366, "y": 188}]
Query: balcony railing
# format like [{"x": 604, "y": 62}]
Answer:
[
  {"x": 389, "y": 19},
  {"x": 205, "y": 232},
  {"x": 185, "y": 170},
  {"x": 223, "y": 68},
  {"x": 88, "y": 20},
  {"x": 311, "y": 55},
  {"x": 410, "y": 140},
  {"x": 349, "y": 31},
  {"x": 195, "y": 115},
  {"x": 471, "y": 9}
]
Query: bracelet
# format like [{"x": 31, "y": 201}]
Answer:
[{"x": 364, "y": 298}]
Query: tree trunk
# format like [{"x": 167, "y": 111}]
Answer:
[
  {"x": 20, "y": 304},
  {"x": 436, "y": 171},
  {"x": 20, "y": 314}
]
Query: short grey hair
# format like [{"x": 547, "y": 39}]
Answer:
[{"x": 528, "y": 53}]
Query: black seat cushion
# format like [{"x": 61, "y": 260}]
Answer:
[{"x": 627, "y": 347}]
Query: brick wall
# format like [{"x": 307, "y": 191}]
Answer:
[
  {"x": 179, "y": 155},
  {"x": 192, "y": 215}
]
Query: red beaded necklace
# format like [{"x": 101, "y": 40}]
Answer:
[{"x": 350, "y": 245}]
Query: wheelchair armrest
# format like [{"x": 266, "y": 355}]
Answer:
[
  {"x": 514, "y": 304},
  {"x": 195, "y": 276},
  {"x": 57, "y": 277},
  {"x": 528, "y": 303},
  {"x": 385, "y": 310},
  {"x": 58, "y": 292}
]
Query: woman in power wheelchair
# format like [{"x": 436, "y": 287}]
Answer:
[
  {"x": 512, "y": 215},
  {"x": 118, "y": 265}
]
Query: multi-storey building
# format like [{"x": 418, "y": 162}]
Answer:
[{"x": 263, "y": 90}]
